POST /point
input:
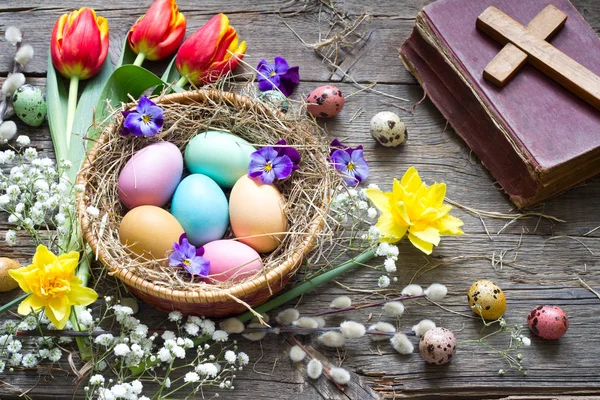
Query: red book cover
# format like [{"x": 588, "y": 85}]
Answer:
[{"x": 534, "y": 136}]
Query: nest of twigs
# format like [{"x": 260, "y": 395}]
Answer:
[{"x": 154, "y": 281}]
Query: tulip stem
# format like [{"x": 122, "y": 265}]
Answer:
[
  {"x": 182, "y": 82},
  {"x": 139, "y": 59},
  {"x": 71, "y": 107}
]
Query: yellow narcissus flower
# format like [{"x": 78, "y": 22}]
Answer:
[
  {"x": 52, "y": 282},
  {"x": 412, "y": 207}
]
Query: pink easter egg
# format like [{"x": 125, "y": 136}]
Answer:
[{"x": 230, "y": 259}]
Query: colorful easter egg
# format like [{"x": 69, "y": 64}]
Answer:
[
  {"x": 388, "y": 129},
  {"x": 7, "y": 283},
  {"x": 231, "y": 260},
  {"x": 219, "y": 155},
  {"x": 200, "y": 205},
  {"x": 275, "y": 99},
  {"x": 29, "y": 103},
  {"x": 256, "y": 212},
  {"x": 487, "y": 299},
  {"x": 548, "y": 322},
  {"x": 325, "y": 102},
  {"x": 437, "y": 345},
  {"x": 151, "y": 176},
  {"x": 149, "y": 231}
]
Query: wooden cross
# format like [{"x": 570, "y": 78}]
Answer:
[{"x": 528, "y": 44}]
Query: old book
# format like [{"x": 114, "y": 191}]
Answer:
[{"x": 535, "y": 137}]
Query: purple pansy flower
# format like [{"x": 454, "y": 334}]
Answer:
[
  {"x": 350, "y": 162},
  {"x": 284, "y": 150},
  {"x": 278, "y": 75},
  {"x": 187, "y": 256},
  {"x": 271, "y": 163},
  {"x": 145, "y": 120}
]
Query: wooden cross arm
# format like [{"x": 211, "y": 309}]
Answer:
[
  {"x": 510, "y": 59},
  {"x": 542, "y": 55}
]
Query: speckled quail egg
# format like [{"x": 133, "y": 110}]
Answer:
[
  {"x": 548, "y": 322},
  {"x": 7, "y": 283},
  {"x": 438, "y": 345},
  {"x": 487, "y": 299},
  {"x": 29, "y": 104},
  {"x": 325, "y": 102},
  {"x": 388, "y": 129},
  {"x": 275, "y": 99}
]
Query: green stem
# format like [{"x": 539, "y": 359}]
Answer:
[
  {"x": 71, "y": 107},
  {"x": 182, "y": 82},
  {"x": 13, "y": 303},
  {"x": 139, "y": 59},
  {"x": 309, "y": 285}
]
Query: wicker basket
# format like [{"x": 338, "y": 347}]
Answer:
[{"x": 210, "y": 301}]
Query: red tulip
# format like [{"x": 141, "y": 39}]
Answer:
[
  {"x": 212, "y": 51},
  {"x": 159, "y": 32},
  {"x": 79, "y": 43}
]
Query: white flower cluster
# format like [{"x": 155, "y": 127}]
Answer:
[
  {"x": 34, "y": 195},
  {"x": 352, "y": 207},
  {"x": 390, "y": 252}
]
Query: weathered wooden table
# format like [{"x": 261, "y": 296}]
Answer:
[{"x": 535, "y": 260}]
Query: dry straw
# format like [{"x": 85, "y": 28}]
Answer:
[{"x": 307, "y": 194}]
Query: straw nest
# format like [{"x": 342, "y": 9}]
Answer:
[{"x": 185, "y": 114}]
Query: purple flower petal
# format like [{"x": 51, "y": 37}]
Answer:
[
  {"x": 185, "y": 255},
  {"x": 278, "y": 75},
  {"x": 145, "y": 120},
  {"x": 293, "y": 75},
  {"x": 289, "y": 151},
  {"x": 264, "y": 69},
  {"x": 353, "y": 167},
  {"x": 361, "y": 167},
  {"x": 265, "y": 85},
  {"x": 281, "y": 65},
  {"x": 283, "y": 167}
]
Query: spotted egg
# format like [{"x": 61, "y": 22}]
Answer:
[
  {"x": 487, "y": 299},
  {"x": 548, "y": 322},
  {"x": 325, "y": 102},
  {"x": 29, "y": 104},
  {"x": 388, "y": 129},
  {"x": 275, "y": 99},
  {"x": 437, "y": 346}
]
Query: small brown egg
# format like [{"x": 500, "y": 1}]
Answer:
[
  {"x": 548, "y": 322},
  {"x": 7, "y": 283},
  {"x": 487, "y": 299},
  {"x": 325, "y": 102},
  {"x": 437, "y": 346}
]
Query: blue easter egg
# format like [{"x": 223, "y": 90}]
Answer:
[{"x": 201, "y": 208}]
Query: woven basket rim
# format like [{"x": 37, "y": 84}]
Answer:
[{"x": 208, "y": 294}]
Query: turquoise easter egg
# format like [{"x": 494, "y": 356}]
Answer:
[
  {"x": 275, "y": 99},
  {"x": 201, "y": 208},
  {"x": 29, "y": 104},
  {"x": 219, "y": 155}
]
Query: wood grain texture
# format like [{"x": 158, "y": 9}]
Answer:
[
  {"x": 548, "y": 256},
  {"x": 510, "y": 59}
]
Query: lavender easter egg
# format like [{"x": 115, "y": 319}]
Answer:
[
  {"x": 151, "y": 176},
  {"x": 548, "y": 322},
  {"x": 231, "y": 260},
  {"x": 325, "y": 102},
  {"x": 437, "y": 345}
]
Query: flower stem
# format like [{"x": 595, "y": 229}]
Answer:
[
  {"x": 182, "y": 82},
  {"x": 139, "y": 59},
  {"x": 13, "y": 303},
  {"x": 71, "y": 107},
  {"x": 311, "y": 284}
]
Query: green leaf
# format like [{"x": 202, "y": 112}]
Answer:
[
  {"x": 170, "y": 76},
  {"x": 127, "y": 55},
  {"x": 56, "y": 99},
  {"x": 84, "y": 116},
  {"x": 125, "y": 81}
]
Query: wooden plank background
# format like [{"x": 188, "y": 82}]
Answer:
[{"x": 550, "y": 256}]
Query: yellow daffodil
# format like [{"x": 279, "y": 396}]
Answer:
[
  {"x": 52, "y": 282},
  {"x": 412, "y": 207}
]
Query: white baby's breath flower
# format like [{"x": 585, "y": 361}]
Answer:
[
  {"x": 208, "y": 327},
  {"x": 164, "y": 355},
  {"x": 167, "y": 382},
  {"x": 8, "y": 130},
  {"x": 121, "y": 350},
  {"x": 340, "y": 375},
  {"x": 175, "y": 316},
  {"x": 372, "y": 214},
  {"x": 191, "y": 377},
  {"x": 341, "y": 302},
  {"x": 191, "y": 328},
  {"x": 526, "y": 341},
  {"x": 23, "y": 140},
  {"x": 393, "y": 252},
  {"x": 24, "y": 54},
  {"x": 119, "y": 390},
  {"x": 56, "y": 354},
  {"x": 168, "y": 335},
  {"x": 220, "y": 336},
  {"x": 208, "y": 369},
  {"x": 412, "y": 290},
  {"x": 332, "y": 339},
  {"x": 97, "y": 380},
  {"x": 230, "y": 357},
  {"x": 15, "y": 359},
  {"x": 306, "y": 322},
  {"x": 436, "y": 291},
  {"x": 9, "y": 155},
  {"x": 384, "y": 281},
  {"x": 382, "y": 249},
  {"x": 297, "y": 354},
  {"x": 29, "y": 360},
  {"x": 314, "y": 368},
  {"x": 381, "y": 327},
  {"x": 92, "y": 211},
  {"x": 44, "y": 353},
  {"x": 287, "y": 316},
  {"x": 137, "y": 350},
  {"x": 393, "y": 309},
  {"x": 178, "y": 352},
  {"x": 136, "y": 386},
  {"x": 352, "y": 329},
  {"x": 85, "y": 318},
  {"x": 390, "y": 265},
  {"x": 243, "y": 358},
  {"x": 232, "y": 325},
  {"x": 12, "y": 83},
  {"x": 30, "y": 153},
  {"x": 4, "y": 200},
  {"x": 402, "y": 344},
  {"x": 423, "y": 326},
  {"x": 11, "y": 237}
]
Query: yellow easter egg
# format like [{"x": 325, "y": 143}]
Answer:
[{"x": 487, "y": 299}]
